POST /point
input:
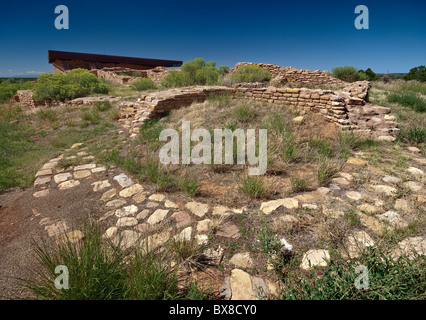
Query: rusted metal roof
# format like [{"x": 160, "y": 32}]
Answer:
[{"x": 63, "y": 55}]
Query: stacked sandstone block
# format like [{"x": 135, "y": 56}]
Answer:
[
  {"x": 25, "y": 97},
  {"x": 320, "y": 101},
  {"x": 290, "y": 74}
]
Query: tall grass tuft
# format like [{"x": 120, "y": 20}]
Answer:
[{"x": 410, "y": 100}]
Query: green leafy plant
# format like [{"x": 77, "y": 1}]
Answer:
[
  {"x": 74, "y": 84},
  {"x": 143, "y": 84},
  {"x": 250, "y": 73},
  {"x": 349, "y": 74}
]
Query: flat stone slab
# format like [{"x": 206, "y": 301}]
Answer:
[
  {"x": 108, "y": 195},
  {"x": 126, "y": 211},
  {"x": 270, "y": 206},
  {"x": 157, "y": 197},
  {"x": 130, "y": 191},
  {"x": 44, "y": 172},
  {"x": 56, "y": 228},
  {"x": 61, "y": 177},
  {"x": 357, "y": 161},
  {"x": 182, "y": 219},
  {"x": 116, "y": 203},
  {"x": 241, "y": 285},
  {"x": 197, "y": 208},
  {"x": 40, "y": 194},
  {"x": 82, "y": 174},
  {"x": 221, "y": 211},
  {"x": 42, "y": 180},
  {"x": 110, "y": 233},
  {"x": 229, "y": 230},
  {"x": 353, "y": 195},
  {"x": 157, "y": 216},
  {"x": 85, "y": 166},
  {"x": 184, "y": 235},
  {"x": 356, "y": 242},
  {"x": 70, "y": 237},
  {"x": 386, "y": 190},
  {"x": 242, "y": 260},
  {"x": 126, "y": 222},
  {"x": 413, "y": 186},
  {"x": 315, "y": 257},
  {"x": 100, "y": 185},
  {"x": 68, "y": 184},
  {"x": 203, "y": 225}
]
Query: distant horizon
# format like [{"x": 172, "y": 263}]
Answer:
[{"x": 310, "y": 35}]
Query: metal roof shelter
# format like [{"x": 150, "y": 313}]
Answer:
[{"x": 63, "y": 55}]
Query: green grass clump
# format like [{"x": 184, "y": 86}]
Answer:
[
  {"x": 253, "y": 187},
  {"x": 101, "y": 269},
  {"x": 410, "y": 100},
  {"x": 413, "y": 134},
  {"x": 143, "y": 84},
  {"x": 244, "y": 113},
  {"x": 150, "y": 131},
  {"x": 299, "y": 184},
  {"x": 103, "y": 106},
  {"x": 223, "y": 98},
  {"x": 349, "y": 74},
  {"x": 326, "y": 169},
  {"x": 48, "y": 114},
  {"x": 388, "y": 279}
]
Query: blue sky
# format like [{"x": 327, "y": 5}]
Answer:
[{"x": 303, "y": 34}]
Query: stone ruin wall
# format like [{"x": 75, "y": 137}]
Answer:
[
  {"x": 345, "y": 107},
  {"x": 346, "y": 112},
  {"x": 113, "y": 74},
  {"x": 290, "y": 74},
  {"x": 25, "y": 97}
]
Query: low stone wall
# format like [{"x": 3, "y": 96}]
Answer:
[
  {"x": 346, "y": 112},
  {"x": 290, "y": 74}
]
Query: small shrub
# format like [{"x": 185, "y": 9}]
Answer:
[
  {"x": 414, "y": 134},
  {"x": 291, "y": 149},
  {"x": 253, "y": 187},
  {"x": 348, "y": 74},
  {"x": 206, "y": 76},
  {"x": 103, "y": 106},
  {"x": 177, "y": 78},
  {"x": 143, "y": 84},
  {"x": 325, "y": 170},
  {"x": 150, "y": 131},
  {"x": 74, "y": 84},
  {"x": 91, "y": 117},
  {"x": 244, "y": 113},
  {"x": 417, "y": 73},
  {"x": 299, "y": 184},
  {"x": 223, "y": 70},
  {"x": 251, "y": 73},
  {"x": 351, "y": 218},
  {"x": 95, "y": 269},
  {"x": 193, "y": 72},
  {"x": 155, "y": 173},
  {"x": 189, "y": 185}
]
